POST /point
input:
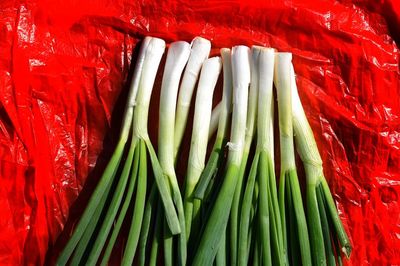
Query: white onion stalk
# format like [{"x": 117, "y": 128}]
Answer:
[
  {"x": 321, "y": 209},
  {"x": 216, "y": 156},
  {"x": 216, "y": 112},
  {"x": 198, "y": 145},
  {"x": 199, "y": 52},
  {"x": 290, "y": 200},
  {"x": 134, "y": 87},
  {"x": 177, "y": 57},
  {"x": 218, "y": 219}
]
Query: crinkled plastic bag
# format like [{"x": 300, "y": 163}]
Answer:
[{"x": 64, "y": 70}]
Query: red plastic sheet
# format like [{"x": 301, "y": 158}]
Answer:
[{"x": 63, "y": 66}]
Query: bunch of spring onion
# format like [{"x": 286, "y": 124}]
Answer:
[{"x": 229, "y": 210}]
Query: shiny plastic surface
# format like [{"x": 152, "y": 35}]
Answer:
[{"x": 64, "y": 67}]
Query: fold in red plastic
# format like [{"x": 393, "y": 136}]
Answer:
[{"x": 63, "y": 66}]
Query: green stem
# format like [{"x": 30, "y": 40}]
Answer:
[
  {"x": 84, "y": 247},
  {"x": 234, "y": 215},
  {"x": 113, "y": 208},
  {"x": 337, "y": 249},
  {"x": 314, "y": 225},
  {"x": 257, "y": 254},
  {"x": 221, "y": 254},
  {"x": 196, "y": 214},
  {"x": 301, "y": 221},
  {"x": 264, "y": 215},
  {"x": 168, "y": 247},
  {"x": 137, "y": 217},
  {"x": 151, "y": 204},
  {"x": 334, "y": 217},
  {"x": 283, "y": 210},
  {"x": 163, "y": 189},
  {"x": 156, "y": 236},
  {"x": 210, "y": 170},
  {"x": 293, "y": 238},
  {"x": 245, "y": 213},
  {"x": 330, "y": 254},
  {"x": 276, "y": 227},
  {"x": 253, "y": 225},
  {"x": 182, "y": 241},
  {"x": 95, "y": 201},
  {"x": 217, "y": 220}
]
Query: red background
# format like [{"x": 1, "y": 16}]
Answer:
[{"x": 64, "y": 68}]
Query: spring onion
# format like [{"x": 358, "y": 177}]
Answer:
[
  {"x": 218, "y": 219},
  {"x": 320, "y": 204},
  {"x": 215, "y": 160},
  {"x": 198, "y": 145},
  {"x": 290, "y": 200},
  {"x": 177, "y": 57},
  {"x": 268, "y": 195},
  {"x": 150, "y": 206},
  {"x": 250, "y": 133}
]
